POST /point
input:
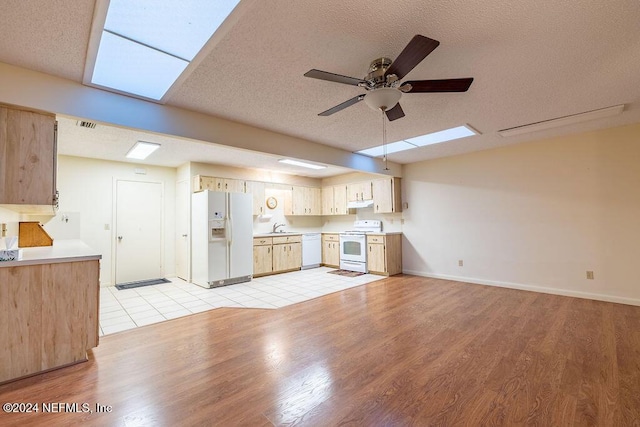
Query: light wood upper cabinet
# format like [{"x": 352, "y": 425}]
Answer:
[
  {"x": 386, "y": 195},
  {"x": 27, "y": 157},
  {"x": 340, "y": 199},
  {"x": 257, "y": 190},
  {"x": 306, "y": 201},
  {"x": 228, "y": 185},
  {"x": 334, "y": 200},
  {"x": 327, "y": 201},
  {"x": 358, "y": 191}
]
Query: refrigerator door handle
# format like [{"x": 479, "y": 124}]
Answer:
[{"x": 229, "y": 231}]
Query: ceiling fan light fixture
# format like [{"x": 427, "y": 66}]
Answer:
[{"x": 384, "y": 98}]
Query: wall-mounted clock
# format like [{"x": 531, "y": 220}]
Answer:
[{"x": 272, "y": 202}]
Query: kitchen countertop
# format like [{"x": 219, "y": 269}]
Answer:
[
  {"x": 287, "y": 233},
  {"x": 61, "y": 251},
  {"x": 368, "y": 234}
]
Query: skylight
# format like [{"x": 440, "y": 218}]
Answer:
[
  {"x": 147, "y": 44},
  {"x": 421, "y": 141}
]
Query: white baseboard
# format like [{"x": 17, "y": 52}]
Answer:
[{"x": 532, "y": 288}]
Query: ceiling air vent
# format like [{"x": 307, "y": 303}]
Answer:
[{"x": 85, "y": 124}]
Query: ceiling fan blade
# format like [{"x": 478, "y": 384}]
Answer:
[
  {"x": 395, "y": 113},
  {"x": 417, "y": 49},
  {"x": 332, "y": 77},
  {"x": 342, "y": 106},
  {"x": 447, "y": 85}
]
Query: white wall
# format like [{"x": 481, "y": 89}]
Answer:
[
  {"x": 10, "y": 218},
  {"x": 534, "y": 216},
  {"x": 87, "y": 197}
]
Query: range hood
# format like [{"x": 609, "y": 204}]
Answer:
[{"x": 360, "y": 204}]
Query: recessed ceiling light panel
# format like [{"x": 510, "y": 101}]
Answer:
[
  {"x": 302, "y": 164},
  {"x": 142, "y": 149},
  {"x": 147, "y": 44},
  {"x": 421, "y": 141}
]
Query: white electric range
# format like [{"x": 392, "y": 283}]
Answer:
[{"x": 353, "y": 245}]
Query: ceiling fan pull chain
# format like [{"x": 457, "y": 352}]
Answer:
[{"x": 384, "y": 139}]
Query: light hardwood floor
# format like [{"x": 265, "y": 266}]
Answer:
[{"x": 400, "y": 351}]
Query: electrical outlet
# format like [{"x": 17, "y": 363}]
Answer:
[
  {"x": 460, "y": 263},
  {"x": 107, "y": 227},
  {"x": 402, "y": 221},
  {"x": 590, "y": 275}
]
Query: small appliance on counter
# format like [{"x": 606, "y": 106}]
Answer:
[{"x": 353, "y": 245}]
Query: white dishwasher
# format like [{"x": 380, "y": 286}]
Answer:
[{"x": 311, "y": 250}]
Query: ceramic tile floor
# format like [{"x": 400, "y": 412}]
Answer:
[{"x": 130, "y": 308}]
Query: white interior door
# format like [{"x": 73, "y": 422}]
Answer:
[
  {"x": 138, "y": 231},
  {"x": 183, "y": 223}
]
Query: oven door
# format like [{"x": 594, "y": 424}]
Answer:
[{"x": 353, "y": 248}]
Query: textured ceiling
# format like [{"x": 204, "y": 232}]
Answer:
[{"x": 531, "y": 61}]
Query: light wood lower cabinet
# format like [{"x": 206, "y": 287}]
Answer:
[
  {"x": 287, "y": 257},
  {"x": 384, "y": 254},
  {"x": 331, "y": 249},
  {"x": 262, "y": 256},
  {"x": 273, "y": 255},
  {"x": 48, "y": 316}
]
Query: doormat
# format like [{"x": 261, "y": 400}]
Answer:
[
  {"x": 346, "y": 273},
  {"x": 141, "y": 283}
]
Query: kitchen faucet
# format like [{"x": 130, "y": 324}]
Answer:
[{"x": 276, "y": 226}]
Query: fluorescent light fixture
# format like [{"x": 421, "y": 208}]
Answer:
[
  {"x": 302, "y": 164},
  {"x": 147, "y": 44},
  {"x": 562, "y": 121},
  {"x": 420, "y": 141},
  {"x": 142, "y": 149}
]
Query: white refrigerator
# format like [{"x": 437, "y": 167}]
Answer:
[{"x": 222, "y": 238}]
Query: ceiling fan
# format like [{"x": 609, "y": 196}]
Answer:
[{"x": 383, "y": 85}]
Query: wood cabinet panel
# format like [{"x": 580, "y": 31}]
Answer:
[
  {"x": 386, "y": 195},
  {"x": 327, "y": 201},
  {"x": 306, "y": 201},
  {"x": 262, "y": 260},
  {"x": 376, "y": 258},
  {"x": 331, "y": 253},
  {"x": 27, "y": 157},
  {"x": 384, "y": 254},
  {"x": 340, "y": 200},
  {"x": 358, "y": 191},
  {"x": 257, "y": 190},
  {"x": 48, "y": 316}
]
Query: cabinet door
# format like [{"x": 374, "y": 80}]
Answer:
[
  {"x": 334, "y": 254},
  {"x": 382, "y": 195},
  {"x": 340, "y": 200},
  {"x": 294, "y": 256},
  {"x": 280, "y": 260},
  {"x": 314, "y": 196},
  {"x": 256, "y": 189},
  {"x": 375, "y": 258},
  {"x": 327, "y": 201},
  {"x": 354, "y": 192},
  {"x": 367, "y": 190},
  {"x": 326, "y": 252},
  {"x": 27, "y": 157},
  {"x": 262, "y": 259},
  {"x": 299, "y": 198}
]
